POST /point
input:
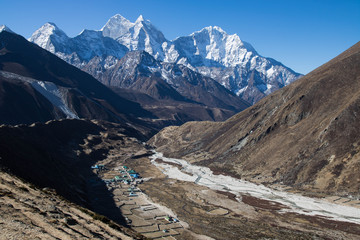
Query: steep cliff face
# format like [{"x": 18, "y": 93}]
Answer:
[{"x": 305, "y": 135}]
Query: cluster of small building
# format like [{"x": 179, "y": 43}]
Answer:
[
  {"x": 127, "y": 176},
  {"x": 171, "y": 219},
  {"x": 122, "y": 183}
]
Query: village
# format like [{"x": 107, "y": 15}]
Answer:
[
  {"x": 147, "y": 189},
  {"x": 141, "y": 214}
]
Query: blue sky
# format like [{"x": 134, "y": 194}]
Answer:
[{"x": 302, "y": 34}]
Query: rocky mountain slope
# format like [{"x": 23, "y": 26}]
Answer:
[
  {"x": 171, "y": 112},
  {"x": 304, "y": 135},
  {"x": 211, "y": 51},
  {"x": 139, "y": 71}
]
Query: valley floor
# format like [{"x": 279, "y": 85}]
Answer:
[
  {"x": 346, "y": 210},
  {"x": 215, "y": 211},
  {"x": 171, "y": 200}
]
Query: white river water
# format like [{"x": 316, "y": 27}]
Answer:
[{"x": 296, "y": 203}]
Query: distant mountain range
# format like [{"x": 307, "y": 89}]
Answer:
[
  {"x": 150, "y": 80},
  {"x": 38, "y": 86},
  {"x": 211, "y": 52}
]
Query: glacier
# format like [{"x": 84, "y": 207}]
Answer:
[{"x": 49, "y": 90}]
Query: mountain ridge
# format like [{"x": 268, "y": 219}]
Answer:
[
  {"x": 50, "y": 89},
  {"x": 25, "y": 65},
  {"x": 177, "y": 81},
  {"x": 211, "y": 52}
]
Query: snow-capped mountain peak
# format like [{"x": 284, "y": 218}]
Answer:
[
  {"x": 141, "y": 22},
  {"x": 116, "y": 27},
  {"x": 50, "y": 28},
  {"x": 87, "y": 45},
  {"x": 118, "y": 17},
  {"x": 212, "y": 46},
  {"x": 90, "y": 43},
  {"x": 140, "y": 19},
  {"x": 5, "y": 28},
  {"x": 211, "y": 29},
  {"x": 49, "y": 36},
  {"x": 140, "y": 35},
  {"x": 216, "y": 33}
]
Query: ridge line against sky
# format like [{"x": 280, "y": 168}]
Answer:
[{"x": 301, "y": 34}]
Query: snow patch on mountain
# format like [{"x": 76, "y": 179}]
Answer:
[
  {"x": 49, "y": 90},
  {"x": 54, "y": 95},
  {"x": 5, "y": 28}
]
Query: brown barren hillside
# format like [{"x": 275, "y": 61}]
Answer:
[
  {"x": 305, "y": 135},
  {"x": 28, "y": 212}
]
